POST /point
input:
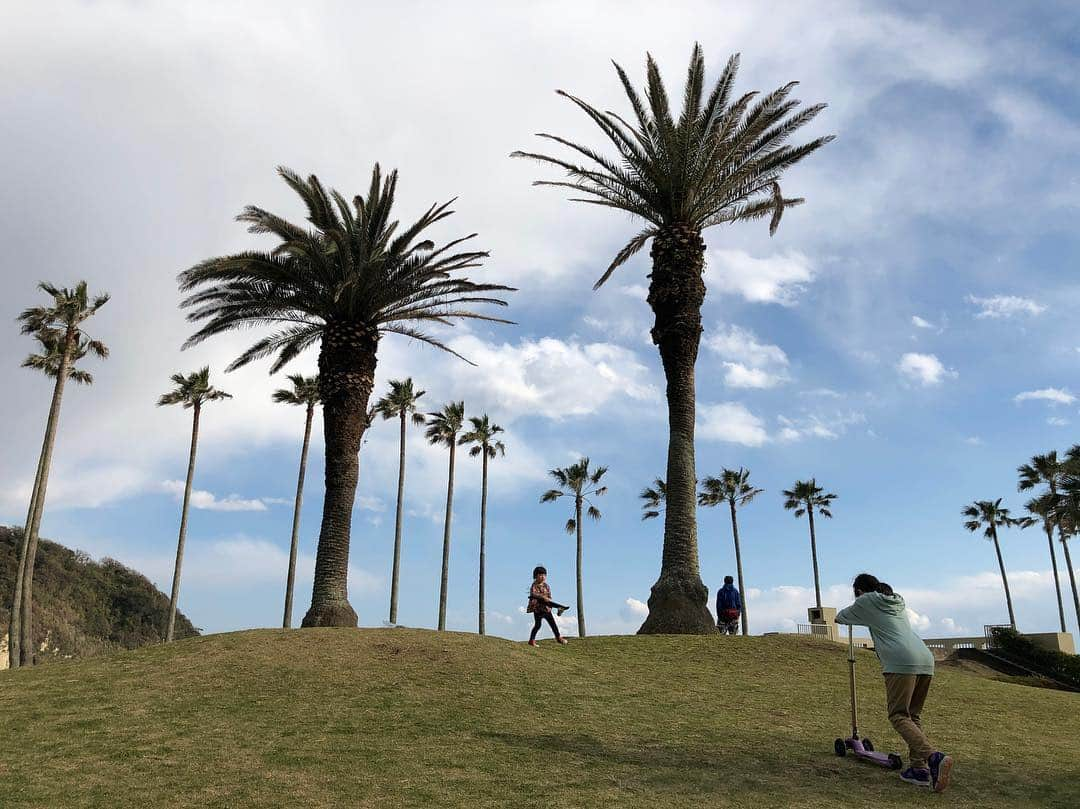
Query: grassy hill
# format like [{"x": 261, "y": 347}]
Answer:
[
  {"x": 392, "y": 717},
  {"x": 83, "y": 607}
]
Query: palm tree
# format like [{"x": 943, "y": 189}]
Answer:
[
  {"x": 399, "y": 403},
  {"x": 732, "y": 487},
  {"x": 443, "y": 429},
  {"x": 487, "y": 446},
  {"x": 803, "y": 498},
  {"x": 720, "y": 162},
  {"x": 341, "y": 285},
  {"x": 1045, "y": 469},
  {"x": 654, "y": 499},
  {"x": 578, "y": 482},
  {"x": 58, "y": 328},
  {"x": 191, "y": 391},
  {"x": 304, "y": 393},
  {"x": 1066, "y": 513},
  {"x": 989, "y": 515}
]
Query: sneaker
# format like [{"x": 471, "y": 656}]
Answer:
[
  {"x": 532, "y": 643},
  {"x": 940, "y": 768},
  {"x": 560, "y": 611},
  {"x": 563, "y": 640},
  {"x": 919, "y": 776}
]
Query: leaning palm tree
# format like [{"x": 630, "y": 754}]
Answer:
[
  {"x": 804, "y": 498},
  {"x": 719, "y": 162},
  {"x": 443, "y": 429},
  {"x": 989, "y": 516},
  {"x": 1066, "y": 514},
  {"x": 191, "y": 391},
  {"x": 578, "y": 482},
  {"x": 399, "y": 403},
  {"x": 653, "y": 499},
  {"x": 732, "y": 487},
  {"x": 1045, "y": 469},
  {"x": 303, "y": 393},
  {"x": 58, "y": 328},
  {"x": 341, "y": 285},
  {"x": 487, "y": 446}
]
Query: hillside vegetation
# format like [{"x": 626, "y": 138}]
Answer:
[
  {"x": 83, "y": 607},
  {"x": 394, "y": 717}
]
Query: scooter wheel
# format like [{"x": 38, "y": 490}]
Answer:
[
  {"x": 840, "y": 748},
  {"x": 868, "y": 745},
  {"x": 895, "y": 761}
]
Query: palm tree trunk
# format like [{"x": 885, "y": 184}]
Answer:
[
  {"x": 1004, "y": 578},
  {"x": 26, "y": 619},
  {"x": 580, "y": 595},
  {"x": 813, "y": 554},
  {"x": 738, "y": 568},
  {"x": 347, "y": 362},
  {"x": 286, "y": 622},
  {"x": 1072, "y": 577},
  {"x": 1057, "y": 579},
  {"x": 14, "y": 623},
  {"x": 483, "y": 530},
  {"x": 677, "y": 603},
  {"x": 445, "y": 581},
  {"x": 174, "y": 596},
  {"x": 397, "y": 525}
]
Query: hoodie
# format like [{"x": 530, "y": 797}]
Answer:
[
  {"x": 898, "y": 647},
  {"x": 727, "y": 598}
]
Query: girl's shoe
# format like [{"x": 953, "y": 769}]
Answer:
[
  {"x": 560, "y": 611},
  {"x": 563, "y": 640},
  {"x": 920, "y": 776},
  {"x": 940, "y": 770},
  {"x": 532, "y": 643}
]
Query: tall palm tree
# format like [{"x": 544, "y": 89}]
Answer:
[
  {"x": 303, "y": 393},
  {"x": 989, "y": 516},
  {"x": 720, "y": 162},
  {"x": 1045, "y": 469},
  {"x": 653, "y": 499},
  {"x": 340, "y": 285},
  {"x": 399, "y": 403},
  {"x": 485, "y": 444},
  {"x": 191, "y": 391},
  {"x": 804, "y": 498},
  {"x": 732, "y": 487},
  {"x": 443, "y": 429},
  {"x": 1066, "y": 514},
  {"x": 578, "y": 482},
  {"x": 58, "y": 328}
]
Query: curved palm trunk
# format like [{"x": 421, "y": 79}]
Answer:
[
  {"x": 174, "y": 597},
  {"x": 738, "y": 568},
  {"x": 813, "y": 554},
  {"x": 483, "y": 533},
  {"x": 397, "y": 525},
  {"x": 1004, "y": 579},
  {"x": 580, "y": 595},
  {"x": 1057, "y": 579},
  {"x": 347, "y": 361},
  {"x": 15, "y": 619},
  {"x": 1072, "y": 578},
  {"x": 26, "y": 619},
  {"x": 445, "y": 581},
  {"x": 677, "y": 603},
  {"x": 286, "y": 621}
]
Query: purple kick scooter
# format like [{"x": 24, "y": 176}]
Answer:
[{"x": 862, "y": 749}]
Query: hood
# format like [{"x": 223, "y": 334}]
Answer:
[
  {"x": 728, "y": 587},
  {"x": 894, "y": 604}
]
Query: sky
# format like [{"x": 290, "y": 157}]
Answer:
[{"x": 907, "y": 337}]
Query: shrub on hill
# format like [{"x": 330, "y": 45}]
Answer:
[
  {"x": 83, "y": 607},
  {"x": 1064, "y": 668}
]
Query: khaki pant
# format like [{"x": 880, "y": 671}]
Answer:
[{"x": 906, "y": 695}]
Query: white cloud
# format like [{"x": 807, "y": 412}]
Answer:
[
  {"x": 925, "y": 369},
  {"x": 920, "y": 623},
  {"x": 730, "y": 422},
  {"x": 205, "y": 500},
  {"x": 1055, "y": 396},
  {"x": 1057, "y": 421},
  {"x": 974, "y": 441},
  {"x": 1005, "y": 306},
  {"x": 818, "y": 426},
  {"x": 634, "y": 610},
  {"x": 919, "y": 323},
  {"x": 366, "y": 503},
  {"x": 748, "y": 363},
  {"x": 780, "y": 278}
]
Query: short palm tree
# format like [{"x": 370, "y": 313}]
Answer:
[
  {"x": 443, "y": 429},
  {"x": 484, "y": 442},
  {"x": 578, "y": 482},
  {"x": 653, "y": 499},
  {"x": 989, "y": 516},
  {"x": 719, "y": 162},
  {"x": 340, "y": 285},
  {"x": 732, "y": 487},
  {"x": 192, "y": 392},
  {"x": 303, "y": 393},
  {"x": 399, "y": 403},
  {"x": 1045, "y": 470},
  {"x": 806, "y": 497},
  {"x": 58, "y": 328}
]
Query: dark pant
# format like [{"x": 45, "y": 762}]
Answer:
[{"x": 543, "y": 616}]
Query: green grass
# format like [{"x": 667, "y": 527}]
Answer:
[{"x": 390, "y": 718}]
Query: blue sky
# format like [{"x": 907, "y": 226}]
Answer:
[{"x": 907, "y": 337}]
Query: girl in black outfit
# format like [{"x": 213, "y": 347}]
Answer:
[{"x": 540, "y": 605}]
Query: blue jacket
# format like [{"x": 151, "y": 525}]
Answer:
[{"x": 727, "y": 598}]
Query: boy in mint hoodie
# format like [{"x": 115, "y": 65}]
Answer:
[{"x": 908, "y": 666}]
